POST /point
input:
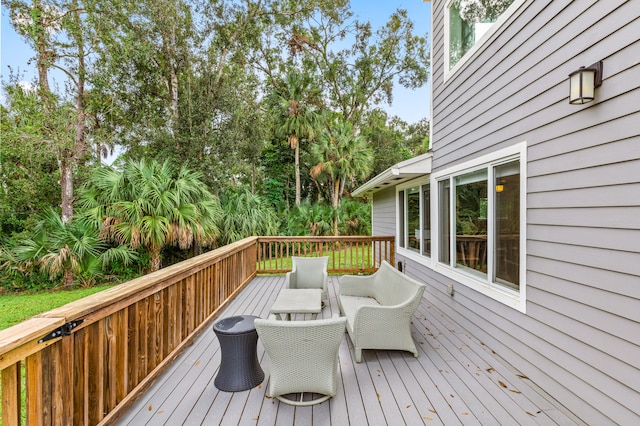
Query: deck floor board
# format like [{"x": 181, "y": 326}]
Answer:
[{"x": 455, "y": 380}]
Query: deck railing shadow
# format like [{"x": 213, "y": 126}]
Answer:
[{"x": 85, "y": 362}]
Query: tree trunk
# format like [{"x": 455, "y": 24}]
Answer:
[
  {"x": 43, "y": 61},
  {"x": 335, "y": 196},
  {"x": 67, "y": 279},
  {"x": 169, "y": 46},
  {"x": 154, "y": 258},
  {"x": 334, "y": 203},
  {"x": 65, "y": 164},
  {"x": 81, "y": 125},
  {"x": 298, "y": 185},
  {"x": 253, "y": 176}
]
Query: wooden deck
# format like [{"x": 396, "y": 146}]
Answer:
[{"x": 456, "y": 380}]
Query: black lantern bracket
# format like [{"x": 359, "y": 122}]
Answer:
[{"x": 598, "y": 66}]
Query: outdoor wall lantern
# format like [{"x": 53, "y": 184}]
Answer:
[{"x": 583, "y": 83}]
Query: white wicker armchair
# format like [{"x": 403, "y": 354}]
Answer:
[
  {"x": 303, "y": 355},
  {"x": 309, "y": 272}
]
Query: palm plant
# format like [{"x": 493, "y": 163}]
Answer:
[
  {"x": 310, "y": 219},
  {"x": 149, "y": 205},
  {"x": 67, "y": 249},
  {"x": 354, "y": 217},
  {"x": 300, "y": 100},
  {"x": 342, "y": 157},
  {"x": 245, "y": 214}
]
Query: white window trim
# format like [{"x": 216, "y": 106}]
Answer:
[
  {"x": 479, "y": 45},
  {"x": 405, "y": 252},
  {"x": 512, "y": 298}
]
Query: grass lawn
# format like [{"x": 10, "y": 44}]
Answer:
[{"x": 15, "y": 308}]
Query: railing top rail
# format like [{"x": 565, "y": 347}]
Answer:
[
  {"x": 130, "y": 291},
  {"x": 25, "y": 332},
  {"x": 153, "y": 282},
  {"x": 327, "y": 238}
]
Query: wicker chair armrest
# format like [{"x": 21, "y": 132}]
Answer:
[{"x": 290, "y": 279}]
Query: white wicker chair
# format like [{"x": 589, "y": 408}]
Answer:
[
  {"x": 309, "y": 272},
  {"x": 304, "y": 357}
]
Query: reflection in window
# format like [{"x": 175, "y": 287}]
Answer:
[
  {"x": 413, "y": 218},
  {"x": 401, "y": 209},
  {"x": 469, "y": 20},
  {"x": 444, "y": 221},
  {"x": 471, "y": 221},
  {"x": 426, "y": 220},
  {"x": 507, "y": 225}
]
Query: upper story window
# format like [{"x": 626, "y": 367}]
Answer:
[{"x": 467, "y": 22}]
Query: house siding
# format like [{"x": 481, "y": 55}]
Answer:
[
  {"x": 580, "y": 336},
  {"x": 383, "y": 216}
]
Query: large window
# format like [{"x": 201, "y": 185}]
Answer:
[
  {"x": 479, "y": 218},
  {"x": 468, "y": 21},
  {"x": 414, "y": 207}
]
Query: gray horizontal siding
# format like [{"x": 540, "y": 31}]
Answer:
[
  {"x": 609, "y": 281},
  {"x": 580, "y": 336},
  {"x": 608, "y": 239},
  {"x": 622, "y": 196},
  {"x": 384, "y": 213},
  {"x": 604, "y": 217}
]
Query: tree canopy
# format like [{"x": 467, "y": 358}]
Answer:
[{"x": 270, "y": 106}]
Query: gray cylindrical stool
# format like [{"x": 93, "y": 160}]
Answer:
[{"x": 239, "y": 367}]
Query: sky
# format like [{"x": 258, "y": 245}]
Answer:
[{"x": 409, "y": 105}]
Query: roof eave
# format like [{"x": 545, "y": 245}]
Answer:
[{"x": 396, "y": 174}]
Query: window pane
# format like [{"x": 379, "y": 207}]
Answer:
[
  {"x": 507, "y": 227},
  {"x": 401, "y": 217},
  {"x": 413, "y": 218},
  {"x": 468, "y": 21},
  {"x": 426, "y": 220},
  {"x": 444, "y": 222},
  {"x": 471, "y": 221}
]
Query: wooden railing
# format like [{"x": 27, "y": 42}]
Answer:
[
  {"x": 83, "y": 363},
  {"x": 347, "y": 255}
]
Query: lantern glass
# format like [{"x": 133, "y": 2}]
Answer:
[{"x": 582, "y": 85}]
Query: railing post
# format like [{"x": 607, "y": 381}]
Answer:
[{"x": 11, "y": 395}]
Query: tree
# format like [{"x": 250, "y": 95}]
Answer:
[
  {"x": 177, "y": 76},
  {"x": 278, "y": 168},
  {"x": 149, "y": 205},
  {"x": 386, "y": 138},
  {"x": 58, "y": 36},
  {"x": 28, "y": 168},
  {"x": 362, "y": 75},
  {"x": 142, "y": 48},
  {"x": 417, "y": 136},
  {"x": 393, "y": 140},
  {"x": 342, "y": 157},
  {"x": 299, "y": 102}
]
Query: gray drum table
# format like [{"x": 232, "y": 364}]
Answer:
[
  {"x": 239, "y": 367},
  {"x": 297, "y": 301}
]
